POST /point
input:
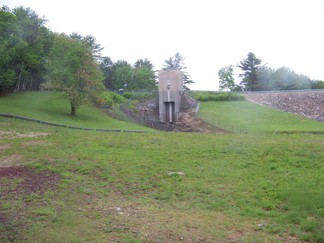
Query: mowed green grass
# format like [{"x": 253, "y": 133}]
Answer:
[
  {"x": 248, "y": 117},
  {"x": 116, "y": 186},
  {"x": 54, "y": 107}
]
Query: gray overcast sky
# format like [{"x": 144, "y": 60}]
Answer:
[{"x": 210, "y": 34}]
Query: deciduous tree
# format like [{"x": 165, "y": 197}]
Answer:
[
  {"x": 287, "y": 79},
  {"x": 72, "y": 69},
  {"x": 31, "y": 57},
  {"x": 226, "y": 79},
  {"x": 10, "y": 42}
]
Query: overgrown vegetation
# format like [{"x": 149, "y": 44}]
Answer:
[
  {"x": 110, "y": 99},
  {"x": 140, "y": 96},
  {"x": 216, "y": 96}
]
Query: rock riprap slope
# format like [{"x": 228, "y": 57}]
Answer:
[{"x": 309, "y": 104}]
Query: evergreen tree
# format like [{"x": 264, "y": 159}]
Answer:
[
  {"x": 250, "y": 67},
  {"x": 177, "y": 63}
]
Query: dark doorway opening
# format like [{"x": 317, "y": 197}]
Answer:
[{"x": 170, "y": 112}]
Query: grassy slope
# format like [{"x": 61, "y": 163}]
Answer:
[
  {"x": 53, "y": 107},
  {"x": 231, "y": 184},
  {"x": 253, "y": 118}
]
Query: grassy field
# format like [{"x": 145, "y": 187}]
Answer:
[
  {"x": 53, "y": 107},
  {"x": 160, "y": 187},
  {"x": 245, "y": 116}
]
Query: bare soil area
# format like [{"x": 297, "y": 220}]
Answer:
[
  {"x": 13, "y": 135},
  {"x": 11, "y": 160},
  {"x": 18, "y": 185},
  {"x": 189, "y": 122}
]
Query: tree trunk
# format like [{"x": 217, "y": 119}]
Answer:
[
  {"x": 19, "y": 77},
  {"x": 73, "y": 110}
]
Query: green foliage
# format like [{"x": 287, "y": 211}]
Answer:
[
  {"x": 24, "y": 46},
  {"x": 143, "y": 79},
  {"x": 217, "y": 96},
  {"x": 72, "y": 69},
  {"x": 122, "y": 75},
  {"x": 140, "y": 63},
  {"x": 112, "y": 98},
  {"x": 176, "y": 62},
  {"x": 226, "y": 79},
  {"x": 91, "y": 43},
  {"x": 139, "y": 95},
  {"x": 31, "y": 58},
  {"x": 287, "y": 79},
  {"x": 9, "y": 42},
  {"x": 250, "y": 67},
  {"x": 317, "y": 84},
  {"x": 52, "y": 107},
  {"x": 257, "y": 77}
]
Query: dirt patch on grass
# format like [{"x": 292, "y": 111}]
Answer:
[
  {"x": 4, "y": 146},
  {"x": 189, "y": 122},
  {"x": 35, "y": 143},
  {"x": 21, "y": 188},
  {"x": 13, "y": 135},
  {"x": 31, "y": 181},
  {"x": 10, "y": 160}
]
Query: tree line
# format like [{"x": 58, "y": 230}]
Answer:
[
  {"x": 28, "y": 48},
  {"x": 32, "y": 57},
  {"x": 256, "y": 76}
]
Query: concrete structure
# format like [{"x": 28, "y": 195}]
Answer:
[{"x": 170, "y": 95}]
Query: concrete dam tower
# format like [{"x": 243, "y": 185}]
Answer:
[{"x": 170, "y": 95}]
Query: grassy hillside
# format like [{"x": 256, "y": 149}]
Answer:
[
  {"x": 86, "y": 186},
  {"x": 249, "y": 117},
  {"x": 53, "y": 107}
]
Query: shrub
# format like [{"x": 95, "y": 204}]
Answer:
[
  {"x": 217, "y": 96},
  {"x": 112, "y": 98},
  {"x": 139, "y": 95}
]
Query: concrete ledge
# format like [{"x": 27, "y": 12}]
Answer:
[
  {"x": 135, "y": 131},
  {"x": 108, "y": 130}
]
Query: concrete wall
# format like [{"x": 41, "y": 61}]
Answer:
[{"x": 170, "y": 93}]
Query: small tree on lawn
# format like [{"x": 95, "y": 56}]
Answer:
[{"x": 72, "y": 69}]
